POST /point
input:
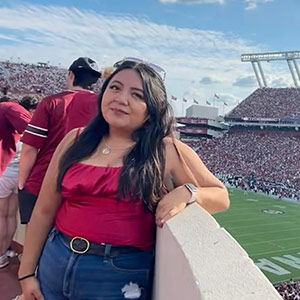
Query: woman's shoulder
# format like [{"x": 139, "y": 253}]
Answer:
[
  {"x": 174, "y": 146},
  {"x": 178, "y": 153},
  {"x": 172, "y": 151}
]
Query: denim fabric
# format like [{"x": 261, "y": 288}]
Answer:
[{"x": 64, "y": 275}]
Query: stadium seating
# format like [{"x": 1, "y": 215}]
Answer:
[
  {"x": 289, "y": 290},
  {"x": 269, "y": 103},
  {"x": 22, "y": 78},
  {"x": 267, "y": 158}
]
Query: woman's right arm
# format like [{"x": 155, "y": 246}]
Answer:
[{"x": 41, "y": 221}]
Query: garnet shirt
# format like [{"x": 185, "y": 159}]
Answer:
[
  {"x": 13, "y": 120},
  {"x": 90, "y": 209},
  {"x": 54, "y": 117}
]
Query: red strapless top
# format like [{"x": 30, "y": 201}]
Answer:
[{"x": 90, "y": 209}]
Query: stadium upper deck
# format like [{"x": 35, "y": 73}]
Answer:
[{"x": 273, "y": 103}]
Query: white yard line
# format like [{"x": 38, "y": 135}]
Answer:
[
  {"x": 255, "y": 233},
  {"x": 238, "y": 215},
  {"x": 263, "y": 224},
  {"x": 285, "y": 250},
  {"x": 263, "y": 218},
  {"x": 293, "y": 238}
]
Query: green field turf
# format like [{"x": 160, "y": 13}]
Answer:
[{"x": 271, "y": 238}]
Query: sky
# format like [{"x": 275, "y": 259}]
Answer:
[{"x": 197, "y": 42}]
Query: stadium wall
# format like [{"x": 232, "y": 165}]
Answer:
[{"x": 199, "y": 111}]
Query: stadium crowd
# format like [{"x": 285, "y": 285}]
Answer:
[
  {"x": 23, "y": 78},
  {"x": 289, "y": 290},
  {"x": 259, "y": 160},
  {"x": 280, "y": 103}
]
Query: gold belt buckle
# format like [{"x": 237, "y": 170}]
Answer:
[{"x": 79, "y": 251}]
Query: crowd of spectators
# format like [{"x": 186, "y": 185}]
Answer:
[
  {"x": 260, "y": 160},
  {"x": 289, "y": 290},
  {"x": 277, "y": 103},
  {"x": 23, "y": 78}
]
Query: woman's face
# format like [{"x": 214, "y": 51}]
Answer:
[{"x": 123, "y": 104}]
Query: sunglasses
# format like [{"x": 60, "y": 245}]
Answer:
[{"x": 160, "y": 71}]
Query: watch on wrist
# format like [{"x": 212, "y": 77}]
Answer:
[{"x": 193, "y": 190}]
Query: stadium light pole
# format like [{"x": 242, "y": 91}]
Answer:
[
  {"x": 262, "y": 74},
  {"x": 256, "y": 74},
  {"x": 256, "y": 58},
  {"x": 296, "y": 68},
  {"x": 289, "y": 61}
]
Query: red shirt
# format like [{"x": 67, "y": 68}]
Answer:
[
  {"x": 54, "y": 117},
  {"x": 90, "y": 209},
  {"x": 13, "y": 120}
]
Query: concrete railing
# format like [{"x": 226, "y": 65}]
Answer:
[{"x": 198, "y": 260}]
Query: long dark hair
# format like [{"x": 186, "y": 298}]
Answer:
[{"x": 143, "y": 169}]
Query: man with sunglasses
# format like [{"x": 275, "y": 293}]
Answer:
[{"x": 55, "y": 116}]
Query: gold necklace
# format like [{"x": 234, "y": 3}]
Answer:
[{"x": 107, "y": 149}]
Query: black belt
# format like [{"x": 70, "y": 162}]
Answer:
[{"x": 81, "y": 245}]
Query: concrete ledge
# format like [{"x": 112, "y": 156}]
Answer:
[{"x": 198, "y": 260}]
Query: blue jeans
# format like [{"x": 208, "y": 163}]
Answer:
[{"x": 65, "y": 275}]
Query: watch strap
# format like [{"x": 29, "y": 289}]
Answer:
[{"x": 193, "y": 190}]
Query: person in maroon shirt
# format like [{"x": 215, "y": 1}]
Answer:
[
  {"x": 14, "y": 117},
  {"x": 13, "y": 121},
  {"x": 54, "y": 117},
  {"x": 106, "y": 189}
]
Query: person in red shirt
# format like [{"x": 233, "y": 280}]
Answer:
[
  {"x": 106, "y": 189},
  {"x": 13, "y": 121},
  {"x": 14, "y": 117},
  {"x": 54, "y": 117}
]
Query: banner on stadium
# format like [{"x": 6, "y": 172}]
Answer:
[
  {"x": 260, "y": 119},
  {"x": 191, "y": 121}
]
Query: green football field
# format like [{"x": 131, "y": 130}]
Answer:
[{"x": 268, "y": 229}]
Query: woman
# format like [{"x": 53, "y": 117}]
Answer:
[{"x": 105, "y": 189}]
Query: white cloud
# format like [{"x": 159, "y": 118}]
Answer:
[
  {"x": 278, "y": 80},
  {"x": 8, "y": 38},
  {"x": 70, "y": 31},
  {"x": 193, "y": 1},
  {"x": 281, "y": 82},
  {"x": 60, "y": 35},
  {"x": 252, "y": 4},
  {"x": 247, "y": 81},
  {"x": 209, "y": 80}
]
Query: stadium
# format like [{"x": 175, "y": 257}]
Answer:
[{"x": 254, "y": 150}]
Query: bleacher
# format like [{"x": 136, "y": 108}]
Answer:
[
  {"x": 275, "y": 103},
  {"x": 266, "y": 149},
  {"x": 23, "y": 78}
]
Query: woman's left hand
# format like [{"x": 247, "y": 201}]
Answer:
[{"x": 171, "y": 204}]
